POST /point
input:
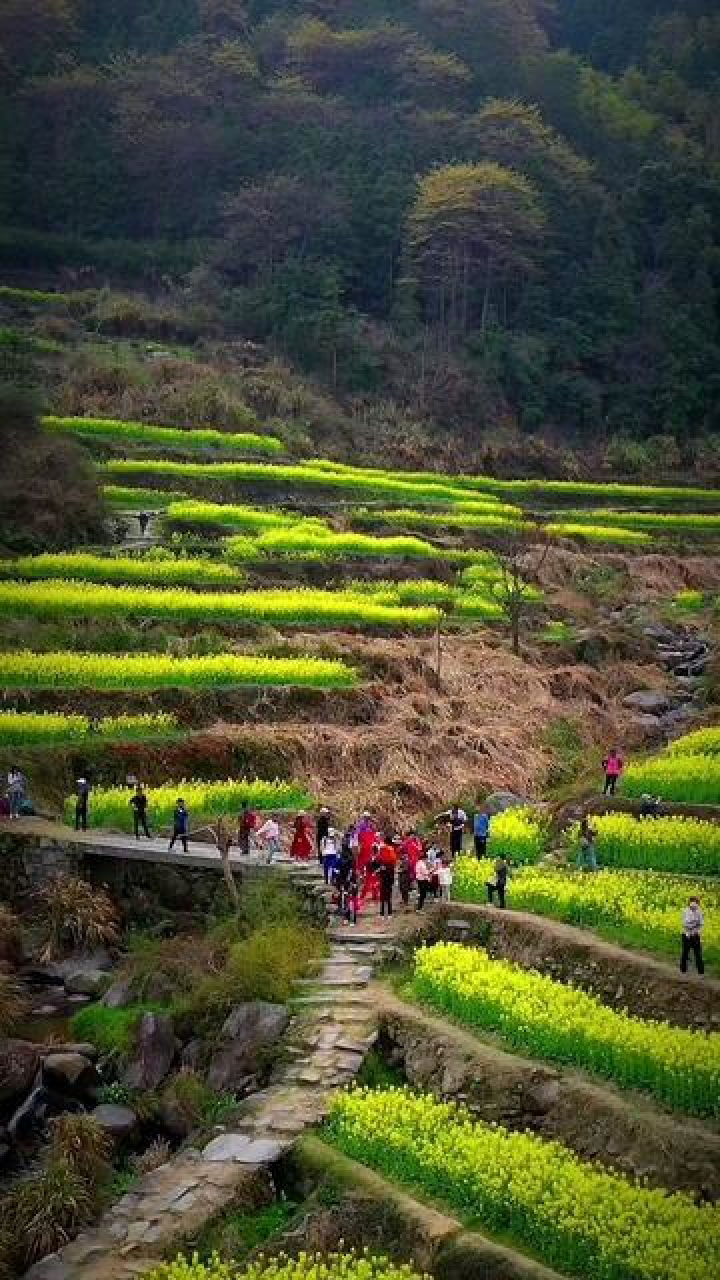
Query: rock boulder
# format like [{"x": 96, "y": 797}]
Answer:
[
  {"x": 19, "y": 1062},
  {"x": 153, "y": 1052},
  {"x": 247, "y": 1034},
  {"x": 69, "y": 1070},
  {"x": 119, "y": 1122},
  {"x": 649, "y": 702}
]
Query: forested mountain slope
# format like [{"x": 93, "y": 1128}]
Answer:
[{"x": 483, "y": 212}]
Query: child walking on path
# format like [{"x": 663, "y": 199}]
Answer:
[{"x": 445, "y": 879}]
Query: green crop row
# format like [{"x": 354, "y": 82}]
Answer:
[
  {"x": 304, "y": 1266},
  {"x": 578, "y": 1218},
  {"x": 542, "y": 1017},
  {"x": 701, "y": 742},
  {"x": 82, "y": 565},
  {"x": 633, "y": 908},
  {"x": 110, "y": 806},
  {"x": 492, "y": 516},
  {"x": 303, "y": 542},
  {"x": 124, "y": 498},
  {"x": 686, "y": 845},
  {"x": 244, "y": 518},
  {"x": 658, "y": 521},
  {"x": 686, "y": 779},
  {"x": 294, "y": 476},
  {"x": 147, "y": 433},
  {"x": 456, "y": 603},
  {"x": 137, "y": 672},
  {"x": 598, "y": 533},
  {"x": 292, "y": 608},
  {"x": 27, "y": 729}
]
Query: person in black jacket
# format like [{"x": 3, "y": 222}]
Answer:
[{"x": 139, "y": 804}]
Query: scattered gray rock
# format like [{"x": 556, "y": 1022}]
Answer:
[
  {"x": 19, "y": 1063},
  {"x": 153, "y": 1052},
  {"x": 243, "y": 1150},
  {"x": 86, "y": 982},
  {"x": 647, "y": 701},
  {"x": 499, "y": 801},
  {"x": 116, "y": 1120},
  {"x": 247, "y": 1033},
  {"x": 87, "y": 1049},
  {"x": 119, "y": 995},
  {"x": 69, "y": 1069}
]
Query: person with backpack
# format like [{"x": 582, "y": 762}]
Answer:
[
  {"x": 247, "y": 822},
  {"x": 139, "y": 805},
  {"x": 499, "y": 884},
  {"x": 613, "y": 765},
  {"x": 181, "y": 823}
]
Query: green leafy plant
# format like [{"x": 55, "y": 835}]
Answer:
[
  {"x": 83, "y": 566},
  {"x": 180, "y": 438}
]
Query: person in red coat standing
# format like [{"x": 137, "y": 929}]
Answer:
[{"x": 301, "y": 847}]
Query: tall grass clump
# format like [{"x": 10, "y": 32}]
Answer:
[
  {"x": 577, "y": 1218},
  {"x": 116, "y": 431},
  {"x": 28, "y": 729},
  {"x": 687, "y": 779},
  {"x": 86, "y": 567},
  {"x": 110, "y": 806},
  {"x": 291, "y": 608},
  {"x": 76, "y": 916},
  {"x": 116, "y": 673}
]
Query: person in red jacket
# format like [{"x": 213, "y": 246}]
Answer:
[
  {"x": 301, "y": 846},
  {"x": 247, "y": 822}
]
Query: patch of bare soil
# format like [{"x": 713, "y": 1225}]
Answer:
[{"x": 651, "y": 576}]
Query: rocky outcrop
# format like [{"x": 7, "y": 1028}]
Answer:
[
  {"x": 69, "y": 1070},
  {"x": 246, "y": 1036},
  {"x": 117, "y": 1121},
  {"x": 153, "y": 1052}
]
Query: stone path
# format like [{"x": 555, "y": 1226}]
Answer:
[{"x": 334, "y": 1025}]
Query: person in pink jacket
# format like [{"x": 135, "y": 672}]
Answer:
[{"x": 613, "y": 765}]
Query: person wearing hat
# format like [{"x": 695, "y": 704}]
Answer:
[
  {"x": 82, "y": 797},
  {"x": 330, "y": 852},
  {"x": 322, "y": 826}
]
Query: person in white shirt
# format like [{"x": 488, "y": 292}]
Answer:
[
  {"x": 269, "y": 834},
  {"x": 423, "y": 878},
  {"x": 693, "y": 921},
  {"x": 329, "y": 852},
  {"x": 445, "y": 879}
]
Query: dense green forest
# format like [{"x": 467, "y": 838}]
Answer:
[{"x": 486, "y": 211}]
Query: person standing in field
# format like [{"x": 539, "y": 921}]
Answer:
[
  {"x": 456, "y": 819},
  {"x": 499, "y": 884},
  {"x": 247, "y": 822},
  {"x": 139, "y": 806},
  {"x": 481, "y": 832},
  {"x": 181, "y": 822},
  {"x": 587, "y": 853},
  {"x": 269, "y": 835},
  {"x": 693, "y": 922},
  {"x": 613, "y": 765},
  {"x": 82, "y": 800},
  {"x": 322, "y": 827}
]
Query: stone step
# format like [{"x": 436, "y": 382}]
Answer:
[
  {"x": 357, "y": 996},
  {"x": 353, "y": 936}
]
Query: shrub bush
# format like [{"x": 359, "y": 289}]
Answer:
[{"x": 76, "y": 916}]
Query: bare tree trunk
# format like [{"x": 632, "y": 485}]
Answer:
[{"x": 438, "y": 649}]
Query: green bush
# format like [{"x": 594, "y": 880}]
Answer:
[{"x": 110, "y": 1030}]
